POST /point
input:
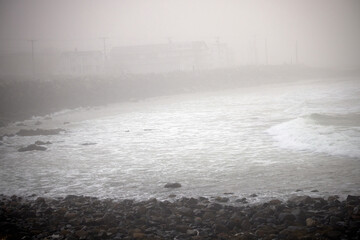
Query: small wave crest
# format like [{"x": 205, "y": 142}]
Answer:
[
  {"x": 350, "y": 120},
  {"x": 322, "y": 133}
]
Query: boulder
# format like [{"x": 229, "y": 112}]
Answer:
[
  {"x": 310, "y": 222},
  {"x": 301, "y": 200},
  {"x": 222, "y": 199},
  {"x": 241, "y": 200},
  {"x": 42, "y": 143},
  {"x": 88, "y": 144},
  {"x": 172, "y": 185},
  {"x": 32, "y": 147},
  {"x": 39, "y": 132},
  {"x": 286, "y": 217}
]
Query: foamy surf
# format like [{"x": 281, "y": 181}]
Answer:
[{"x": 320, "y": 133}]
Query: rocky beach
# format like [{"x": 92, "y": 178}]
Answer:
[
  {"x": 86, "y": 153},
  {"x": 81, "y": 217}
]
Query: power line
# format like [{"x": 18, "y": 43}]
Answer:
[{"x": 33, "y": 56}]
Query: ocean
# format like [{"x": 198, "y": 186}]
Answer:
[{"x": 275, "y": 140}]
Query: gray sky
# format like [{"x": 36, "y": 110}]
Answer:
[{"x": 327, "y": 31}]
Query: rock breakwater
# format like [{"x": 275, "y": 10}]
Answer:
[{"x": 79, "y": 217}]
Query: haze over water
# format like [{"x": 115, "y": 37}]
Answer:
[
  {"x": 270, "y": 141},
  {"x": 289, "y": 122}
]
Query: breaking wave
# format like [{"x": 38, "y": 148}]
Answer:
[{"x": 333, "y": 134}]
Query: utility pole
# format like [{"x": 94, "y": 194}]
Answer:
[
  {"x": 255, "y": 51},
  {"x": 296, "y": 52},
  {"x": 218, "y": 51},
  {"x": 266, "y": 52},
  {"x": 104, "y": 46},
  {"x": 33, "y": 57},
  {"x": 104, "y": 54}
]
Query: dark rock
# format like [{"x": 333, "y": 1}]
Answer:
[
  {"x": 138, "y": 235},
  {"x": 253, "y": 195},
  {"x": 300, "y": 215},
  {"x": 245, "y": 224},
  {"x": 286, "y": 217},
  {"x": 264, "y": 231},
  {"x": 310, "y": 222},
  {"x": 353, "y": 198},
  {"x": 220, "y": 228},
  {"x": 172, "y": 185},
  {"x": 314, "y": 190},
  {"x": 38, "y": 132},
  {"x": 208, "y": 216},
  {"x": 88, "y": 144},
  {"x": 293, "y": 232},
  {"x": 20, "y": 125},
  {"x": 70, "y": 215},
  {"x": 186, "y": 211},
  {"x": 214, "y": 206},
  {"x": 334, "y": 219},
  {"x": 6, "y": 135},
  {"x": 181, "y": 228},
  {"x": 38, "y": 123},
  {"x": 42, "y": 143},
  {"x": 222, "y": 199},
  {"x": 197, "y": 220},
  {"x": 275, "y": 202},
  {"x": 192, "y": 201},
  {"x": 65, "y": 123},
  {"x": 81, "y": 234},
  {"x": 192, "y": 232},
  {"x": 301, "y": 200},
  {"x": 32, "y": 147},
  {"x": 333, "y": 234},
  {"x": 242, "y": 200}
]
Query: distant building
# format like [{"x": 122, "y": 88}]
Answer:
[
  {"x": 219, "y": 55},
  {"x": 82, "y": 63},
  {"x": 159, "y": 57}
]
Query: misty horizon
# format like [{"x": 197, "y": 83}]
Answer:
[{"x": 317, "y": 33}]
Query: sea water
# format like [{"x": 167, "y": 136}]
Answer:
[{"x": 273, "y": 140}]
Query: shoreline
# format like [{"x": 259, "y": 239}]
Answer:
[
  {"x": 81, "y": 217},
  {"x": 22, "y": 98}
]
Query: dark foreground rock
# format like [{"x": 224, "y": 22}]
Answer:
[
  {"x": 39, "y": 132},
  {"x": 172, "y": 185},
  {"x": 78, "y": 217},
  {"x": 32, "y": 147},
  {"x": 42, "y": 143}
]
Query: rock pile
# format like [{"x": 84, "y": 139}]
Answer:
[
  {"x": 38, "y": 132},
  {"x": 79, "y": 217},
  {"x": 32, "y": 147}
]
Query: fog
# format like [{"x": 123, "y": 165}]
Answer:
[
  {"x": 179, "y": 119},
  {"x": 322, "y": 33}
]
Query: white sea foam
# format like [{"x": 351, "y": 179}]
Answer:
[{"x": 333, "y": 135}]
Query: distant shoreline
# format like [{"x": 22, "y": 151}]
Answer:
[{"x": 22, "y": 99}]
